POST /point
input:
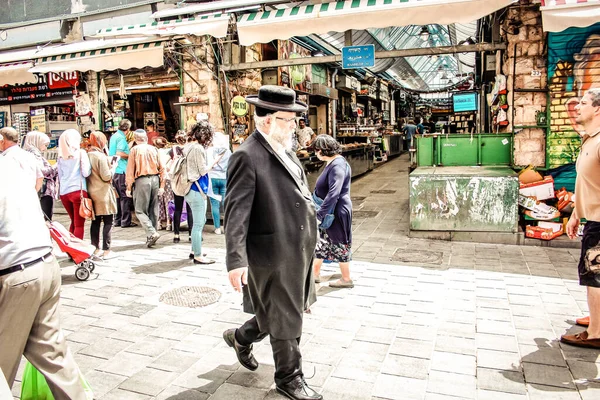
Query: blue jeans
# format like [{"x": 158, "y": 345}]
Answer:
[
  {"x": 197, "y": 203},
  {"x": 219, "y": 187}
]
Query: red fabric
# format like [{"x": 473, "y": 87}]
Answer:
[{"x": 71, "y": 202}]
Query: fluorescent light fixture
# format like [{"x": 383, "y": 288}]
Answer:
[
  {"x": 130, "y": 88},
  {"x": 165, "y": 84}
]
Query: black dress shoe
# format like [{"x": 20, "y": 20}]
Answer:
[
  {"x": 244, "y": 353},
  {"x": 298, "y": 389}
]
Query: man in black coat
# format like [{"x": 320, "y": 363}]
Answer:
[{"x": 271, "y": 236}]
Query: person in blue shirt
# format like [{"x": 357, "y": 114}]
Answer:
[
  {"x": 420, "y": 127},
  {"x": 118, "y": 147}
]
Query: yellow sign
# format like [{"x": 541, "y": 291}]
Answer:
[
  {"x": 239, "y": 107},
  {"x": 38, "y": 123}
]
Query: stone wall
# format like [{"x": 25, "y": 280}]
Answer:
[{"x": 524, "y": 65}]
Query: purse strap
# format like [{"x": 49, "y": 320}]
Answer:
[{"x": 80, "y": 175}]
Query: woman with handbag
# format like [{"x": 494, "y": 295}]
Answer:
[
  {"x": 36, "y": 143},
  {"x": 200, "y": 137},
  {"x": 73, "y": 167},
  {"x": 334, "y": 211},
  {"x": 175, "y": 152},
  {"x": 103, "y": 196}
]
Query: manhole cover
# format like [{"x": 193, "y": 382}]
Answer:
[
  {"x": 384, "y": 191},
  {"x": 364, "y": 214},
  {"x": 191, "y": 296},
  {"x": 358, "y": 198},
  {"x": 418, "y": 257}
]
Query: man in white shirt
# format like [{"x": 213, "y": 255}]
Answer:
[
  {"x": 304, "y": 133},
  {"x": 30, "y": 283},
  {"x": 9, "y": 144}
]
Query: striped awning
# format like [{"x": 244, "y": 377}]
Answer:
[
  {"x": 340, "y": 16},
  {"x": 213, "y": 25},
  {"x": 558, "y": 15},
  {"x": 16, "y": 73},
  {"x": 138, "y": 55}
]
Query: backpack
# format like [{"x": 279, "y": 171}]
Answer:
[{"x": 179, "y": 181}]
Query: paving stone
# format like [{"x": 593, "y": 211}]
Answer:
[
  {"x": 135, "y": 309},
  {"x": 447, "y": 383},
  {"x": 459, "y": 345},
  {"x": 148, "y": 381},
  {"x": 262, "y": 378},
  {"x": 412, "y": 348},
  {"x": 543, "y": 392},
  {"x": 375, "y": 335},
  {"x": 457, "y": 330},
  {"x": 357, "y": 370},
  {"x": 399, "y": 388},
  {"x": 180, "y": 393},
  {"x": 492, "y": 395},
  {"x": 542, "y": 355},
  {"x": 493, "y": 359},
  {"x": 452, "y": 362},
  {"x": 505, "y": 381},
  {"x": 532, "y": 323},
  {"x": 228, "y": 391},
  {"x": 126, "y": 364},
  {"x": 89, "y": 335},
  {"x": 529, "y": 337},
  {"x": 203, "y": 378},
  {"x": 174, "y": 361},
  {"x": 495, "y": 327},
  {"x": 548, "y": 375},
  {"x": 368, "y": 351},
  {"x": 583, "y": 370},
  {"x": 344, "y": 389},
  {"x": 119, "y": 394},
  {"x": 409, "y": 367},
  {"x": 151, "y": 346},
  {"x": 105, "y": 348},
  {"x": 102, "y": 382},
  {"x": 85, "y": 363},
  {"x": 173, "y": 331},
  {"x": 197, "y": 344}
]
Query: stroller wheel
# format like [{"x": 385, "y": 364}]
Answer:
[
  {"x": 91, "y": 266},
  {"x": 82, "y": 273}
]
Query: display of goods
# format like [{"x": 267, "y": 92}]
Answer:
[
  {"x": 541, "y": 190},
  {"x": 537, "y": 232}
]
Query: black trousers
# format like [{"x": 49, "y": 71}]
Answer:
[
  {"x": 106, "y": 231},
  {"x": 124, "y": 203},
  {"x": 286, "y": 353},
  {"x": 47, "y": 203},
  {"x": 178, "y": 200}
]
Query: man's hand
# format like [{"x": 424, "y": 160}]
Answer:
[
  {"x": 238, "y": 277},
  {"x": 128, "y": 193},
  {"x": 572, "y": 227},
  {"x": 161, "y": 191}
]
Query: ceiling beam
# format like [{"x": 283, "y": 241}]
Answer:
[{"x": 427, "y": 51}]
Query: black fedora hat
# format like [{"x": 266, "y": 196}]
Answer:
[{"x": 276, "y": 98}]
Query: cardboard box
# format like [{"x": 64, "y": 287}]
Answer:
[
  {"x": 542, "y": 190},
  {"x": 529, "y": 175},
  {"x": 539, "y": 232}
]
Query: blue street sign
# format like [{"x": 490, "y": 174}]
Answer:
[{"x": 358, "y": 56}]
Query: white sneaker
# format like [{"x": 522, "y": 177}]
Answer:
[{"x": 218, "y": 231}]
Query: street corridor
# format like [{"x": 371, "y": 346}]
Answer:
[{"x": 426, "y": 320}]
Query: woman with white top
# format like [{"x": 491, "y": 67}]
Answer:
[{"x": 219, "y": 154}]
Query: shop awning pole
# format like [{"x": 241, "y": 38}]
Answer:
[{"x": 379, "y": 55}]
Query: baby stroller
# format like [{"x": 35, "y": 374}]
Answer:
[{"x": 79, "y": 251}]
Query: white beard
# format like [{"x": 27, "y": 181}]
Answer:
[{"x": 279, "y": 139}]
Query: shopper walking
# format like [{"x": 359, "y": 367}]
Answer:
[
  {"x": 119, "y": 148},
  {"x": 103, "y": 196},
  {"x": 30, "y": 283},
  {"x": 36, "y": 143},
  {"x": 270, "y": 239},
  {"x": 587, "y": 205},
  {"x": 332, "y": 191},
  {"x": 175, "y": 153},
  {"x": 200, "y": 136},
  {"x": 9, "y": 145},
  {"x": 164, "y": 219},
  {"x": 146, "y": 181},
  {"x": 73, "y": 167},
  {"x": 220, "y": 154}
]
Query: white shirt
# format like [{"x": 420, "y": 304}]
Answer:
[
  {"x": 26, "y": 161},
  {"x": 284, "y": 156},
  {"x": 24, "y": 236}
]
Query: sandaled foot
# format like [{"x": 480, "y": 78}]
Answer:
[{"x": 342, "y": 284}]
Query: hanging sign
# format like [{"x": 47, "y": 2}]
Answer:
[
  {"x": 2, "y": 119},
  {"x": 358, "y": 56},
  {"x": 239, "y": 106}
]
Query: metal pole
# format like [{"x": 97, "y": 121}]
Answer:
[{"x": 334, "y": 122}]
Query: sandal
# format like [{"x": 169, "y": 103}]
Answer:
[{"x": 342, "y": 284}]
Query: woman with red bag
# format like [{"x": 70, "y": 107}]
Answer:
[{"x": 73, "y": 167}]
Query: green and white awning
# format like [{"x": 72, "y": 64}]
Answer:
[
  {"x": 340, "y": 16},
  {"x": 213, "y": 25},
  {"x": 99, "y": 55}
]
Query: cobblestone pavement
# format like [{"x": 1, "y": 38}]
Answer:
[{"x": 427, "y": 319}]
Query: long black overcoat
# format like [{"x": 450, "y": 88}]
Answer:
[{"x": 272, "y": 229}]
